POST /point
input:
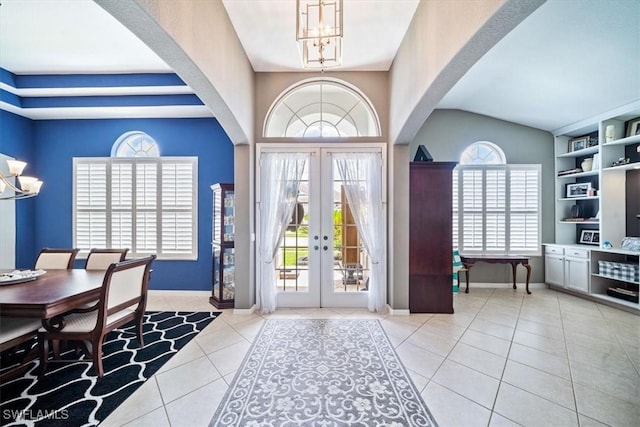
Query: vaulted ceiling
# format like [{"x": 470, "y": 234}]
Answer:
[{"x": 569, "y": 60}]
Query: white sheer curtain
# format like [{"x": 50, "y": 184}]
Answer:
[
  {"x": 280, "y": 175},
  {"x": 362, "y": 176}
]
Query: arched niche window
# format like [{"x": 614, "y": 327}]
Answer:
[
  {"x": 135, "y": 144},
  {"x": 321, "y": 108},
  {"x": 483, "y": 153}
]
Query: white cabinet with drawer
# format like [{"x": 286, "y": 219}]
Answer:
[
  {"x": 554, "y": 265},
  {"x": 567, "y": 267}
]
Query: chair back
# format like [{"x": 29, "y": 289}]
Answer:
[
  {"x": 125, "y": 285},
  {"x": 101, "y": 259},
  {"x": 56, "y": 259}
]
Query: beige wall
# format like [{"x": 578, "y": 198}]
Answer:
[
  {"x": 445, "y": 39},
  {"x": 197, "y": 40}
]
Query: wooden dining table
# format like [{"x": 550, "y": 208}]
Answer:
[{"x": 53, "y": 293}]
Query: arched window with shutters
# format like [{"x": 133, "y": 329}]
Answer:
[
  {"x": 496, "y": 206},
  {"x": 136, "y": 199}
]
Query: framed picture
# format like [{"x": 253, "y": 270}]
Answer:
[
  {"x": 633, "y": 127},
  {"x": 579, "y": 189},
  {"x": 590, "y": 237},
  {"x": 579, "y": 143}
]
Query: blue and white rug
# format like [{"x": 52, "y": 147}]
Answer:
[{"x": 322, "y": 373}]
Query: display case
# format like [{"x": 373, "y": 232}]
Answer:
[{"x": 223, "y": 286}]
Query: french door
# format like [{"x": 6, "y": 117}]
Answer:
[{"x": 321, "y": 261}]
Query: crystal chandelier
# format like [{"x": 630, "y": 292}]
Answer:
[
  {"x": 319, "y": 31},
  {"x": 29, "y": 186}
]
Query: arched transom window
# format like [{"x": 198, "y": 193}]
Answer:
[
  {"x": 483, "y": 153},
  {"x": 135, "y": 144},
  {"x": 321, "y": 108}
]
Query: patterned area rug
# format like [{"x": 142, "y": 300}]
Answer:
[
  {"x": 322, "y": 373},
  {"x": 71, "y": 394}
]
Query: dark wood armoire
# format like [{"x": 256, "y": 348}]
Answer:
[{"x": 430, "y": 247}]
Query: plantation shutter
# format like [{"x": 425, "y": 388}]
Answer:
[
  {"x": 145, "y": 204},
  {"x": 177, "y": 208},
  {"x": 90, "y": 198},
  {"x": 524, "y": 212},
  {"x": 497, "y": 209},
  {"x": 472, "y": 229}
]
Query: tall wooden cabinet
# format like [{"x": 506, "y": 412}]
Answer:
[{"x": 430, "y": 247}]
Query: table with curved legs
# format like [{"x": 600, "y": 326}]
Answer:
[{"x": 514, "y": 261}]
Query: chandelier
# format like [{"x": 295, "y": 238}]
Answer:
[
  {"x": 319, "y": 31},
  {"x": 29, "y": 186}
]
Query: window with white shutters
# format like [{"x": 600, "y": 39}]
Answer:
[
  {"x": 497, "y": 209},
  {"x": 148, "y": 205},
  {"x": 496, "y": 206}
]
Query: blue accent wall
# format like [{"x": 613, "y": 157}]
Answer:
[{"x": 56, "y": 142}]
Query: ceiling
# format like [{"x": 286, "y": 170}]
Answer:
[{"x": 570, "y": 60}]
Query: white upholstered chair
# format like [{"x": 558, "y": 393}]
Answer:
[
  {"x": 122, "y": 299},
  {"x": 101, "y": 259},
  {"x": 56, "y": 259}
]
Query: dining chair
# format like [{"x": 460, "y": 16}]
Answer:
[
  {"x": 56, "y": 259},
  {"x": 123, "y": 298},
  {"x": 101, "y": 259},
  {"x": 15, "y": 331}
]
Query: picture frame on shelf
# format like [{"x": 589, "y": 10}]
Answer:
[
  {"x": 579, "y": 189},
  {"x": 579, "y": 143},
  {"x": 633, "y": 127},
  {"x": 590, "y": 237}
]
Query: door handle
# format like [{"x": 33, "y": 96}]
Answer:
[
  {"x": 316, "y": 247},
  {"x": 325, "y": 247}
]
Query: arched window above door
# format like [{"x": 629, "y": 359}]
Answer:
[{"x": 321, "y": 108}]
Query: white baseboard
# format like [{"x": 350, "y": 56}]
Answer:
[
  {"x": 398, "y": 311},
  {"x": 244, "y": 311}
]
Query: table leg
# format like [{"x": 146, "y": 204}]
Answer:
[
  {"x": 528, "y": 267},
  {"x": 513, "y": 269},
  {"x": 466, "y": 275}
]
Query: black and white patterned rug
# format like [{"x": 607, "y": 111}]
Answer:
[
  {"x": 71, "y": 394},
  {"x": 322, "y": 373}
]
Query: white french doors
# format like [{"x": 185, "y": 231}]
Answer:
[{"x": 321, "y": 261}]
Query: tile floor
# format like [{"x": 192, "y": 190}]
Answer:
[{"x": 503, "y": 359}]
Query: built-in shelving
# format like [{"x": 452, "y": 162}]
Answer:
[{"x": 609, "y": 205}]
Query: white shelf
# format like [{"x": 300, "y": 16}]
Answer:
[
  {"x": 580, "y": 153},
  {"x": 578, "y": 175},
  {"x": 580, "y": 222},
  {"x": 626, "y": 167},
  {"x": 623, "y": 141},
  {"x": 613, "y": 278},
  {"x": 617, "y": 300},
  {"x": 572, "y": 199}
]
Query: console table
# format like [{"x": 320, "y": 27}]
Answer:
[{"x": 469, "y": 261}]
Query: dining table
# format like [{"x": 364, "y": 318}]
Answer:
[{"x": 53, "y": 293}]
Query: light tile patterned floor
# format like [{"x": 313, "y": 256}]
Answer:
[{"x": 503, "y": 359}]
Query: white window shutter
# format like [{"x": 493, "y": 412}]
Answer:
[
  {"x": 148, "y": 205},
  {"x": 90, "y": 199},
  {"x": 499, "y": 208}
]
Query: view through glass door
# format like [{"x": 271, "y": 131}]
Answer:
[{"x": 321, "y": 262}]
